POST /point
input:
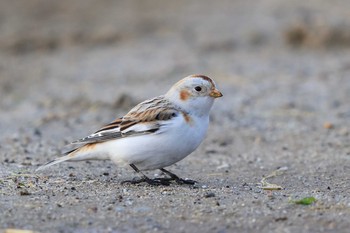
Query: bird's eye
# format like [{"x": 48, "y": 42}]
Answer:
[{"x": 198, "y": 88}]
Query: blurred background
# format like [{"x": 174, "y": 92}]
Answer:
[
  {"x": 57, "y": 51},
  {"x": 68, "y": 67},
  {"x": 61, "y": 57}
]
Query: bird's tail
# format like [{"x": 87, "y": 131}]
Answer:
[
  {"x": 53, "y": 162},
  {"x": 68, "y": 156},
  {"x": 90, "y": 151}
]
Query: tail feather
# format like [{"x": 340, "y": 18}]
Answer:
[
  {"x": 53, "y": 162},
  {"x": 68, "y": 156},
  {"x": 86, "y": 152}
]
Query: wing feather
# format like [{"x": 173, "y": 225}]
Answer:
[{"x": 145, "y": 118}]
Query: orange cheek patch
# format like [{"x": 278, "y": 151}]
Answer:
[{"x": 184, "y": 95}]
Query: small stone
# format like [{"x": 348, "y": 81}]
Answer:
[
  {"x": 328, "y": 125},
  {"x": 209, "y": 195},
  {"x": 37, "y": 132},
  {"x": 24, "y": 192}
]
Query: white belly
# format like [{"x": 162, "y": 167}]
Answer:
[{"x": 153, "y": 151}]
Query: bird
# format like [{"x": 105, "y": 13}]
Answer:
[{"x": 155, "y": 134}]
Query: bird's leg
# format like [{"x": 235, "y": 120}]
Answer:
[
  {"x": 178, "y": 179},
  {"x": 146, "y": 179}
]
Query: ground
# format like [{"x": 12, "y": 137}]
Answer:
[{"x": 68, "y": 67}]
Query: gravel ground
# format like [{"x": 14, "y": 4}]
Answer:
[{"x": 68, "y": 67}]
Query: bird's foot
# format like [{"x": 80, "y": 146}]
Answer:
[
  {"x": 158, "y": 181},
  {"x": 185, "y": 181},
  {"x": 177, "y": 179},
  {"x": 153, "y": 182}
]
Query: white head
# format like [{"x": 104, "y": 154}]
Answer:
[{"x": 195, "y": 93}]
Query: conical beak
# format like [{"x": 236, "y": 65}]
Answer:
[{"x": 215, "y": 93}]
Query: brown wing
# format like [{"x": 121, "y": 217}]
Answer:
[{"x": 147, "y": 117}]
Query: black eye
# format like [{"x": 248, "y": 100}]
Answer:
[{"x": 198, "y": 88}]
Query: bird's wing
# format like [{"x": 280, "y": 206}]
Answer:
[{"x": 146, "y": 118}]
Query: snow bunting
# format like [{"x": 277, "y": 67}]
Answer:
[{"x": 155, "y": 133}]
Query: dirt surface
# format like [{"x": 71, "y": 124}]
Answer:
[{"x": 68, "y": 67}]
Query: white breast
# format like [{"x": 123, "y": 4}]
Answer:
[{"x": 173, "y": 142}]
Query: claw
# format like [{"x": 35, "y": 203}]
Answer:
[
  {"x": 158, "y": 181},
  {"x": 154, "y": 182},
  {"x": 185, "y": 181}
]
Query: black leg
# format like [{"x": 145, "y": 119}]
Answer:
[
  {"x": 178, "y": 179},
  {"x": 144, "y": 178}
]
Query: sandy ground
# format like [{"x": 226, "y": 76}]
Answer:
[{"x": 68, "y": 67}]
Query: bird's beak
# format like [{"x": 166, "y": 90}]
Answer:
[{"x": 215, "y": 93}]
